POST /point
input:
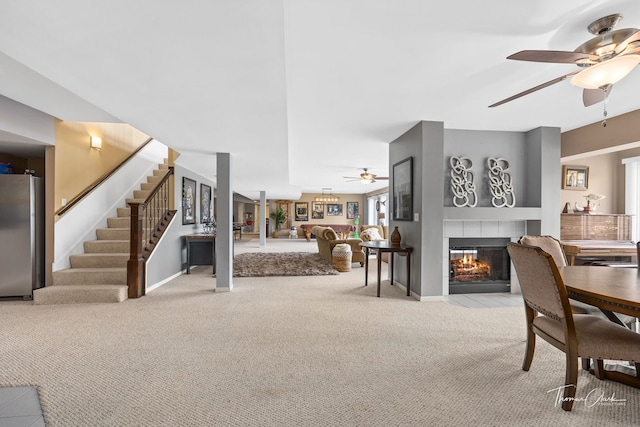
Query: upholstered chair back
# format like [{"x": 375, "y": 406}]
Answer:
[
  {"x": 324, "y": 235},
  {"x": 540, "y": 281},
  {"x": 548, "y": 244}
]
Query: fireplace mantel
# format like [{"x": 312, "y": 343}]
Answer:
[{"x": 492, "y": 214}]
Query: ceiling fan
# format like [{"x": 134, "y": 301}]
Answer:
[
  {"x": 366, "y": 177},
  {"x": 604, "y": 60}
]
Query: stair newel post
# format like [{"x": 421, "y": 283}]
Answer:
[{"x": 135, "y": 265}]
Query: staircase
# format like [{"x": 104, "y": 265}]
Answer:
[{"x": 100, "y": 273}]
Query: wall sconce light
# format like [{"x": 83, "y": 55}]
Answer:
[{"x": 96, "y": 143}]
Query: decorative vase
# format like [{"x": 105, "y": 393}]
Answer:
[{"x": 395, "y": 237}]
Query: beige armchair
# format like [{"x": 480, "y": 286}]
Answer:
[{"x": 327, "y": 238}]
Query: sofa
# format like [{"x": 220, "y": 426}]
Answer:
[{"x": 327, "y": 238}]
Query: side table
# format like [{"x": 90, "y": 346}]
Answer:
[
  {"x": 201, "y": 250},
  {"x": 381, "y": 246}
]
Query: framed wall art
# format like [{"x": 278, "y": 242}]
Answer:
[
  {"x": 403, "y": 190},
  {"x": 317, "y": 210},
  {"x": 575, "y": 177},
  {"x": 206, "y": 204},
  {"x": 302, "y": 211},
  {"x": 334, "y": 209},
  {"x": 189, "y": 199},
  {"x": 352, "y": 210}
]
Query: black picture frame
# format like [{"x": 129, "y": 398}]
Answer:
[
  {"x": 317, "y": 210},
  {"x": 206, "y": 204},
  {"x": 353, "y": 210},
  {"x": 575, "y": 177},
  {"x": 302, "y": 211},
  {"x": 334, "y": 209},
  {"x": 189, "y": 201},
  {"x": 403, "y": 190}
]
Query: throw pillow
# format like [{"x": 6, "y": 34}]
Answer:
[{"x": 372, "y": 233}]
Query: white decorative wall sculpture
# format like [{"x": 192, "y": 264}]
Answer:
[
  {"x": 500, "y": 183},
  {"x": 462, "y": 186}
]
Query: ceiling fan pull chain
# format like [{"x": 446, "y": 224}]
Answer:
[{"x": 604, "y": 113}]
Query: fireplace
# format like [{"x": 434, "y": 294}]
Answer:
[{"x": 479, "y": 265}]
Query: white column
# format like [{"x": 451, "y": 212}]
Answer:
[
  {"x": 263, "y": 219},
  {"x": 224, "y": 234}
]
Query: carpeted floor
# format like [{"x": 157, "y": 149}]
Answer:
[
  {"x": 264, "y": 264},
  {"x": 291, "y": 351}
]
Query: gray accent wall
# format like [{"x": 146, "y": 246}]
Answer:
[
  {"x": 170, "y": 255},
  {"x": 534, "y": 159}
]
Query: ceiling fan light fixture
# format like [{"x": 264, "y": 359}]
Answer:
[
  {"x": 606, "y": 73},
  {"x": 366, "y": 181}
]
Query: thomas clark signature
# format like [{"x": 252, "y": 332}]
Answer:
[{"x": 591, "y": 399}]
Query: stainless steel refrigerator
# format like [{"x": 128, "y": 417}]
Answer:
[{"x": 21, "y": 235}]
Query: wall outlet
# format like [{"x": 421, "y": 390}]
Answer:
[
  {"x": 416, "y": 217},
  {"x": 64, "y": 202}
]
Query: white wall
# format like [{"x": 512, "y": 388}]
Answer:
[
  {"x": 28, "y": 124},
  {"x": 79, "y": 224}
]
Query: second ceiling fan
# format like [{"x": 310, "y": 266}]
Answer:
[
  {"x": 366, "y": 177},
  {"x": 604, "y": 60}
]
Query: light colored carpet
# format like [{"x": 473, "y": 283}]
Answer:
[
  {"x": 266, "y": 264},
  {"x": 295, "y": 351}
]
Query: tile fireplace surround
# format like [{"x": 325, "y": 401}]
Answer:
[{"x": 511, "y": 229}]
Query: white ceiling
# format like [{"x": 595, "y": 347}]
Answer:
[{"x": 300, "y": 92}]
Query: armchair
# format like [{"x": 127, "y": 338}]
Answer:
[{"x": 327, "y": 238}]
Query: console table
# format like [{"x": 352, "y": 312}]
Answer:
[
  {"x": 381, "y": 246},
  {"x": 201, "y": 250},
  {"x": 595, "y": 227}
]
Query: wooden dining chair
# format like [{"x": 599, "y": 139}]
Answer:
[{"x": 549, "y": 315}]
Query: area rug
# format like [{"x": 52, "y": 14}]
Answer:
[{"x": 262, "y": 264}]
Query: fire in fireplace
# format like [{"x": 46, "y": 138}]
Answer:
[{"x": 479, "y": 265}]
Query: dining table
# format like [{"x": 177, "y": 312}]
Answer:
[{"x": 612, "y": 290}]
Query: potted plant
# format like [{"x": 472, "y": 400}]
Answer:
[{"x": 279, "y": 217}]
